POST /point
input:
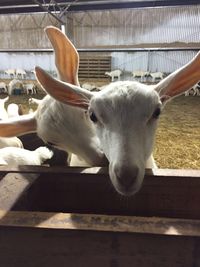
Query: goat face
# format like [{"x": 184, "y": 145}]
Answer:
[{"x": 125, "y": 117}]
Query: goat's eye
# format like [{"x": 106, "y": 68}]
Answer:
[
  {"x": 156, "y": 113},
  {"x": 93, "y": 117}
]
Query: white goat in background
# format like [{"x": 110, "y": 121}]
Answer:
[
  {"x": 156, "y": 75},
  {"x": 34, "y": 101},
  {"x": 114, "y": 127},
  {"x": 15, "y": 84},
  {"x": 3, "y": 87},
  {"x": 195, "y": 90},
  {"x": 140, "y": 74},
  {"x": 30, "y": 88},
  {"x": 10, "y": 72},
  {"x": 20, "y": 73},
  {"x": 19, "y": 156},
  {"x": 114, "y": 74}
]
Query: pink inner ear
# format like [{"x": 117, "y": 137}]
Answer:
[{"x": 66, "y": 55}]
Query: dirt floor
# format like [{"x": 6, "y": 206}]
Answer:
[{"x": 177, "y": 142}]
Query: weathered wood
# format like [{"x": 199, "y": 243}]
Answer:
[
  {"x": 165, "y": 193},
  {"x": 102, "y": 223}
]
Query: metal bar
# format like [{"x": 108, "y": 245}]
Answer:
[
  {"x": 106, "y": 49},
  {"x": 91, "y": 6}
]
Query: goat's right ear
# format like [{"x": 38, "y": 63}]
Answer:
[
  {"x": 66, "y": 55},
  {"x": 64, "y": 92},
  {"x": 180, "y": 80}
]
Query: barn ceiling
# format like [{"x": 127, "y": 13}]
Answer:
[{"x": 63, "y": 6}]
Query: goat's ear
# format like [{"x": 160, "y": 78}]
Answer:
[
  {"x": 64, "y": 92},
  {"x": 181, "y": 80},
  {"x": 18, "y": 125},
  {"x": 66, "y": 55}
]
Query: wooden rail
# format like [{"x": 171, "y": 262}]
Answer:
[{"x": 55, "y": 216}]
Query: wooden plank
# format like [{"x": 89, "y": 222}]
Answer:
[
  {"x": 33, "y": 247},
  {"x": 105, "y": 223},
  {"x": 80, "y": 190}
]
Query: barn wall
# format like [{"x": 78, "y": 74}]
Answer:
[
  {"x": 137, "y": 26},
  {"x": 25, "y": 31}
]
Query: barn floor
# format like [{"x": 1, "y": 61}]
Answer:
[{"x": 178, "y": 137}]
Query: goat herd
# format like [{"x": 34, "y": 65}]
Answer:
[{"x": 114, "y": 127}]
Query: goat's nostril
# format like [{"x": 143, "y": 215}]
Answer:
[{"x": 126, "y": 176}]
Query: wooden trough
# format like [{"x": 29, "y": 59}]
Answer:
[{"x": 55, "y": 216}]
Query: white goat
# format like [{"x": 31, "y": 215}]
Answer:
[
  {"x": 30, "y": 88},
  {"x": 15, "y": 84},
  {"x": 156, "y": 75},
  {"x": 20, "y": 156},
  {"x": 114, "y": 127},
  {"x": 195, "y": 90},
  {"x": 34, "y": 101},
  {"x": 140, "y": 74},
  {"x": 10, "y": 72},
  {"x": 3, "y": 87},
  {"x": 88, "y": 86},
  {"x": 20, "y": 73},
  {"x": 114, "y": 74}
]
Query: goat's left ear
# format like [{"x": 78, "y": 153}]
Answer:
[
  {"x": 64, "y": 92},
  {"x": 180, "y": 80}
]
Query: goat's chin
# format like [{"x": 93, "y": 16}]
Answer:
[{"x": 127, "y": 191}]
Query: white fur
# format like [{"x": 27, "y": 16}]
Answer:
[
  {"x": 20, "y": 156},
  {"x": 20, "y": 73},
  {"x": 34, "y": 101},
  {"x": 88, "y": 86},
  {"x": 10, "y": 72},
  {"x": 113, "y": 74},
  {"x": 15, "y": 84},
  {"x": 10, "y": 142},
  {"x": 3, "y": 87},
  {"x": 13, "y": 110},
  {"x": 156, "y": 75},
  {"x": 140, "y": 74},
  {"x": 30, "y": 88}
]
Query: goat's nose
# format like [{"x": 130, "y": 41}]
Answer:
[{"x": 125, "y": 175}]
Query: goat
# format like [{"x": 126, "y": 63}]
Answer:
[
  {"x": 114, "y": 127},
  {"x": 20, "y": 156},
  {"x": 88, "y": 86},
  {"x": 10, "y": 72},
  {"x": 20, "y": 73},
  {"x": 140, "y": 74},
  {"x": 156, "y": 75},
  {"x": 3, "y": 87},
  {"x": 113, "y": 74},
  {"x": 15, "y": 84},
  {"x": 34, "y": 101},
  {"x": 30, "y": 88},
  {"x": 195, "y": 90}
]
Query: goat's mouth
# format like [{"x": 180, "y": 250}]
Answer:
[{"x": 127, "y": 191}]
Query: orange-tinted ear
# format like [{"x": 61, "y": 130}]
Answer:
[
  {"x": 18, "y": 126},
  {"x": 181, "y": 80},
  {"x": 66, "y": 55},
  {"x": 64, "y": 92}
]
